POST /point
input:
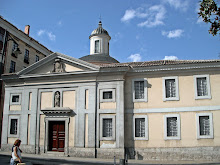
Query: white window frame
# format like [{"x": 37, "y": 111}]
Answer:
[
  {"x": 208, "y": 87},
  {"x": 177, "y": 88},
  {"x": 145, "y": 90},
  {"x": 211, "y": 136},
  {"x": 15, "y": 103},
  {"x": 113, "y": 127},
  {"x": 107, "y": 90},
  {"x": 178, "y": 127},
  {"x": 146, "y": 127},
  {"x": 9, "y": 126}
]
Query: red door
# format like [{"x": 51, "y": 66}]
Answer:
[{"x": 56, "y": 136}]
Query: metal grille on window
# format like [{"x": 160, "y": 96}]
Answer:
[
  {"x": 107, "y": 127},
  {"x": 202, "y": 86},
  {"x": 107, "y": 95},
  {"x": 97, "y": 46},
  {"x": 12, "y": 67},
  {"x": 15, "y": 99},
  {"x": 140, "y": 127},
  {"x": 139, "y": 89},
  {"x": 13, "y": 129},
  {"x": 204, "y": 125},
  {"x": 15, "y": 46},
  {"x": 172, "y": 129},
  {"x": 170, "y": 88}
]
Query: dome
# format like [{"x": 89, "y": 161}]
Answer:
[{"x": 99, "y": 30}]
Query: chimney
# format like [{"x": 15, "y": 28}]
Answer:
[{"x": 27, "y": 29}]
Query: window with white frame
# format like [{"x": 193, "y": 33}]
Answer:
[
  {"x": 171, "y": 127},
  {"x": 15, "y": 99},
  {"x": 97, "y": 46},
  {"x": 13, "y": 129},
  {"x": 139, "y": 87},
  {"x": 204, "y": 125},
  {"x": 107, "y": 95},
  {"x": 202, "y": 87},
  {"x": 107, "y": 127},
  {"x": 140, "y": 123},
  {"x": 170, "y": 88}
]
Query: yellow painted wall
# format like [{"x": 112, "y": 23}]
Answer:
[
  {"x": 187, "y": 127},
  {"x": 15, "y": 108},
  {"x": 30, "y": 101},
  {"x": 11, "y": 140},
  {"x": 186, "y": 93},
  {"x": 69, "y": 99},
  {"x": 87, "y": 99},
  {"x": 42, "y": 129},
  {"x": 46, "y": 100},
  {"x": 70, "y": 68},
  {"x": 71, "y": 131},
  {"x": 108, "y": 105}
]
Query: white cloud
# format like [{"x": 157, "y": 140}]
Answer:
[
  {"x": 153, "y": 15},
  {"x": 40, "y": 32},
  {"x": 156, "y": 15},
  {"x": 170, "y": 58},
  {"x": 60, "y": 23},
  {"x": 173, "y": 34},
  {"x": 199, "y": 20},
  {"x": 178, "y": 4},
  {"x": 129, "y": 14},
  {"x": 50, "y": 35},
  {"x": 135, "y": 57}
]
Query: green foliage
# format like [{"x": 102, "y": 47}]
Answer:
[{"x": 210, "y": 13}]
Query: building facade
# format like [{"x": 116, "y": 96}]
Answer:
[
  {"x": 153, "y": 110},
  {"x": 17, "y": 51}
]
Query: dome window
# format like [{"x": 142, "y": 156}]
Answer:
[{"x": 97, "y": 46}]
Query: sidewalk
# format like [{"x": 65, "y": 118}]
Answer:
[{"x": 47, "y": 159}]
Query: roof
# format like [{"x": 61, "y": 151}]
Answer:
[
  {"x": 99, "y": 58},
  {"x": 99, "y": 30},
  {"x": 156, "y": 63},
  {"x": 25, "y": 34}
]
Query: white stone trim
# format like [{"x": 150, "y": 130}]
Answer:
[
  {"x": 113, "y": 127},
  {"x": 178, "y": 109},
  {"x": 146, "y": 127},
  {"x": 107, "y": 90},
  {"x": 15, "y": 103},
  {"x": 208, "y": 87},
  {"x": 211, "y": 136},
  {"x": 164, "y": 88},
  {"x": 18, "y": 126},
  {"x": 145, "y": 90},
  {"x": 178, "y": 127}
]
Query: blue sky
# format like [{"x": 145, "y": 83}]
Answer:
[{"x": 140, "y": 30}]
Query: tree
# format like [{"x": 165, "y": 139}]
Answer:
[{"x": 210, "y": 13}]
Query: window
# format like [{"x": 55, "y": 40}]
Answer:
[
  {"x": 139, "y": 87},
  {"x": 26, "y": 56},
  {"x": 204, "y": 125},
  {"x": 15, "y": 99},
  {"x": 107, "y": 95},
  {"x": 97, "y": 46},
  {"x": 202, "y": 87},
  {"x": 170, "y": 88},
  {"x": 107, "y": 127},
  {"x": 15, "y": 46},
  {"x": 12, "y": 67},
  {"x": 140, "y": 128},
  {"x": 172, "y": 127},
  {"x": 13, "y": 129},
  {"x": 37, "y": 58}
]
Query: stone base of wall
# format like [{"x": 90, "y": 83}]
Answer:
[
  {"x": 30, "y": 149},
  {"x": 175, "y": 154},
  {"x": 109, "y": 153},
  {"x": 82, "y": 152}
]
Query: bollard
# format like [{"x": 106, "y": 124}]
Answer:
[{"x": 122, "y": 162}]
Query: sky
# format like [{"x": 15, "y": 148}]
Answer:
[{"x": 140, "y": 30}]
